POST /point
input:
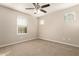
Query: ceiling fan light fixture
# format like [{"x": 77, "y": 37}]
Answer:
[{"x": 37, "y": 11}]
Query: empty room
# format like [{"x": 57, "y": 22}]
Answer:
[{"x": 39, "y": 29}]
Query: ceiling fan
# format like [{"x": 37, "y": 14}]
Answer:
[{"x": 37, "y": 7}]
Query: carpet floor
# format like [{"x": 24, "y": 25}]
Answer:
[{"x": 39, "y": 47}]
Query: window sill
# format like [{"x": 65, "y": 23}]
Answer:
[{"x": 21, "y": 33}]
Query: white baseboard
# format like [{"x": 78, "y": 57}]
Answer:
[
  {"x": 45, "y": 38},
  {"x": 16, "y": 42}
]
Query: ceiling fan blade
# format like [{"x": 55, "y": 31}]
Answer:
[
  {"x": 29, "y": 8},
  {"x": 34, "y": 4},
  {"x": 45, "y": 5},
  {"x": 37, "y": 3},
  {"x": 43, "y": 10}
]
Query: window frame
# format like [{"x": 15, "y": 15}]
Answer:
[{"x": 25, "y": 25}]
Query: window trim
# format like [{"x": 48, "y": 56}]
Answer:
[{"x": 26, "y": 27}]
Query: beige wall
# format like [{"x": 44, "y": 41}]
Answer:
[
  {"x": 55, "y": 29},
  {"x": 8, "y": 27}
]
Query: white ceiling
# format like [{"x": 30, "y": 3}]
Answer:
[{"x": 52, "y": 8}]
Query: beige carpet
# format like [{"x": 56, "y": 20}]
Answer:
[{"x": 39, "y": 48}]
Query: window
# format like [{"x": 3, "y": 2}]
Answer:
[
  {"x": 21, "y": 25},
  {"x": 70, "y": 17}
]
